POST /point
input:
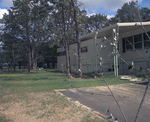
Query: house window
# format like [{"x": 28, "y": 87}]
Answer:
[
  {"x": 138, "y": 41},
  {"x": 61, "y": 53},
  {"x": 129, "y": 41},
  {"x": 146, "y": 40},
  {"x": 84, "y": 49}
]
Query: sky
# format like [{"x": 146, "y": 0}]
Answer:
[{"x": 107, "y": 7}]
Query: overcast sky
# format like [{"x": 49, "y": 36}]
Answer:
[{"x": 108, "y": 7}]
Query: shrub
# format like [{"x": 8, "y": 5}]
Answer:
[{"x": 1, "y": 66}]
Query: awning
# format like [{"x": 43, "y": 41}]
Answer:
[{"x": 107, "y": 31}]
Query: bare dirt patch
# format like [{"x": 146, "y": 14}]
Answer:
[{"x": 42, "y": 107}]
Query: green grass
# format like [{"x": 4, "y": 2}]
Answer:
[
  {"x": 35, "y": 91},
  {"x": 45, "y": 81},
  {"x": 89, "y": 118}
]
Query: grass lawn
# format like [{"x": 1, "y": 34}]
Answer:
[{"x": 31, "y": 97}]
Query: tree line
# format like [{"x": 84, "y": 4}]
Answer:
[{"x": 33, "y": 29}]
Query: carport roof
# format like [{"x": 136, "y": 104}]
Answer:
[{"x": 107, "y": 31}]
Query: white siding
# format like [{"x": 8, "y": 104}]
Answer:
[{"x": 104, "y": 53}]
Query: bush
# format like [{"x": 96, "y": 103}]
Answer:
[{"x": 1, "y": 66}]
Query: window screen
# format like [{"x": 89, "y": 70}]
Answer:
[
  {"x": 129, "y": 43},
  {"x": 146, "y": 40},
  {"x": 138, "y": 41}
]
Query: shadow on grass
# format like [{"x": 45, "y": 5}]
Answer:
[
  {"x": 33, "y": 76},
  {"x": 24, "y": 78},
  {"x": 143, "y": 83}
]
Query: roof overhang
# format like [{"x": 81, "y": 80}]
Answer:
[{"x": 107, "y": 31}]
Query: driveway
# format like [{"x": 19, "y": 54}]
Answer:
[{"x": 99, "y": 99}]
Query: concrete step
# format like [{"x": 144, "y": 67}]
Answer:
[
  {"x": 126, "y": 77},
  {"x": 131, "y": 78},
  {"x": 135, "y": 80}
]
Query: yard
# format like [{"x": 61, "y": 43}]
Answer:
[{"x": 30, "y": 97}]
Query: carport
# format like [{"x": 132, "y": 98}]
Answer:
[{"x": 122, "y": 28}]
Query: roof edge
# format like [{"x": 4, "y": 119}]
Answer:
[{"x": 93, "y": 33}]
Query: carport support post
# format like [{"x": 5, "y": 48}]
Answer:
[
  {"x": 114, "y": 51},
  {"x": 95, "y": 51},
  {"x": 116, "y": 62},
  {"x": 117, "y": 43},
  {"x": 115, "y": 48}
]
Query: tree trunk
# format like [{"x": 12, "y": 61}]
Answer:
[
  {"x": 34, "y": 62},
  {"x": 19, "y": 64},
  {"x": 48, "y": 65},
  {"x": 29, "y": 61},
  {"x": 11, "y": 67},
  {"x": 34, "y": 65},
  {"x": 28, "y": 44},
  {"x": 66, "y": 44},
  {"x": 13, "y": 55},
  {"x": 77, "y": 40},
  {"x": 79, "y": 58},
  {"x": 24, "y": 65},
  {"x": 67, "y": 63}
]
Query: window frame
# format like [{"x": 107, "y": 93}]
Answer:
[
  {"x": 146, "y": 40},
  {"x": 126, "y": 44},
  {"x": 62, "y": 53},
  {"x": 142, "y": 42},
  {"x": 84, "y": 49}
]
